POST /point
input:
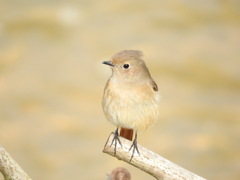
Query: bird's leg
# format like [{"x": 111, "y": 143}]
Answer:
[
  {"x": 134, "y": 146},
  {"x": 116, "y": 140}
]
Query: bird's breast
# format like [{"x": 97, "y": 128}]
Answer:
[{"x": 130, "y": 105}]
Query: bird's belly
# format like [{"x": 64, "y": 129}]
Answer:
[{"x": 132, "y": 110}]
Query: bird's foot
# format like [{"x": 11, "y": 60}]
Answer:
[
  {"x": 135, "y": 147},
  {"x": 116, "y": 140}
]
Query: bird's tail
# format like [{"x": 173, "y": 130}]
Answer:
[{"x": 126, "y": 133}]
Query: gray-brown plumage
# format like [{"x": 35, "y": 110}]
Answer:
[{"x": 131, "y": 96}]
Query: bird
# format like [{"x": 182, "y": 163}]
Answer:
[
  {"x": 119, "y": 173},
  {"x": 131, "y": 97}
]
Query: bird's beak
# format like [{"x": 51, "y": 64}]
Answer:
[{"x": 108, "y": 63}]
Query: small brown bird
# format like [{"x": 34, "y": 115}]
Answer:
[
  {"x": 131, "y": 96},
  {"x": 119, "y": 173}
]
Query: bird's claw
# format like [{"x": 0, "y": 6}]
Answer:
[{"x": 116, "y": 140}]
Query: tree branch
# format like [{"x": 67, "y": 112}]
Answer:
[
  {"x": 9, "y": 168},
  {"x": 148, "y": 161}
]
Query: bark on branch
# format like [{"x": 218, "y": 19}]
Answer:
[
  {"x": 9, "y": 168},
  {"x": 148, "y": 161}
]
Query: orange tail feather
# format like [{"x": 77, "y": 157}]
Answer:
[{"x": 126, "y": 133}]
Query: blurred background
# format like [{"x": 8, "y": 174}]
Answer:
[{"x": 52, "y": 80}]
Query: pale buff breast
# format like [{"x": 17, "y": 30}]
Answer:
[{"x": 134, "y": 107}]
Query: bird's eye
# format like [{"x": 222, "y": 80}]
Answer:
[{"x": 126, "y": 66}]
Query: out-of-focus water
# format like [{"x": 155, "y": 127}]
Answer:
[{"x": 51, "y": 83}]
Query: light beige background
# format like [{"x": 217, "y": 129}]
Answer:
[{"x": 51, "y": 83}]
